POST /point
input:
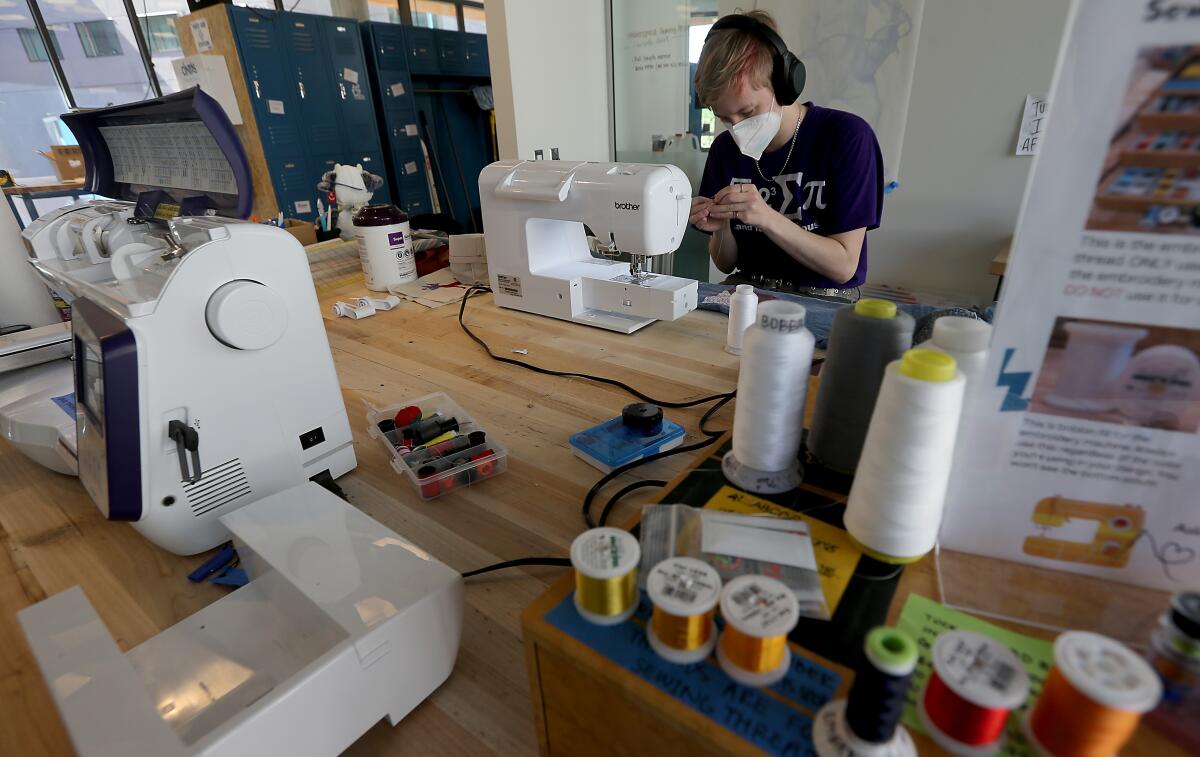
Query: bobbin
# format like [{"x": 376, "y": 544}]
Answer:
[
  {"x": 889, "y": 651},
  {"x": 980, "y": 671},
  {"x": 1103, "y": 670},
  {"x": 603, "y": 555},
  {"x": 683, "y": 587},
  {"x": 762, "y": 608},
  {"x": 776, "y": 319}
]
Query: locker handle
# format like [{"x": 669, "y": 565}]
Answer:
[
  {"x": 257, "y": 91},
  {"x": 301, "y": 89}
]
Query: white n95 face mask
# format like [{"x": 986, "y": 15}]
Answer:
[{"x": 752, "y": 135}]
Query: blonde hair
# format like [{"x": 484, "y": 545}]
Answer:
[{"x": 732, "y": 53}]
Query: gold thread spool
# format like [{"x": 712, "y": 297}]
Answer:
[
  {"x": 759, "y": 613},
  {"x": 684, "y": 592},
  {"x": 605, "y": 562},
  {"x": 1100, "y": 688}
]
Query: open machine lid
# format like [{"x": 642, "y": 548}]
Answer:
[{"x": 176, "y": 155}]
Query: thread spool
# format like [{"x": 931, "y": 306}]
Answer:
[
  {"x": 1175, "y": 648},
  {"x": 864, "y": 339},
  {"x": 759, "y": 613},
  {"x": 975, "y": 684},
  {"x": 743, "y": 307},
  {"x": 684, "y": 592},
  {"x": 898, "y": 495},
  {"x": 772, "y": 383},
  {"x": 1093, "y": 698},
  {"x": 867, "y": 724},
  {"x": 966, "y": 340},
  {"x": 1094, "y": 359},
  {"x": 605, "y": 562},
  {"x": 1159, "y": 386}
]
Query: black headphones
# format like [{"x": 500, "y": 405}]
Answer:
[{"x": 787, "y": 71}]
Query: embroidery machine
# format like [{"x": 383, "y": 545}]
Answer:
[
  {"x": 536, "y": 217},
  {"x": 202, "y": 372},
  {"x": 1117, "y": 528}
]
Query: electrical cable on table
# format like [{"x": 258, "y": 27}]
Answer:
[{"x": 720, "y": 399}]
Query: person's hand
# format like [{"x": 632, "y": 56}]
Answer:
[
  {"x": 743, "y": 203},
  {"x": 700, "y": 218}
]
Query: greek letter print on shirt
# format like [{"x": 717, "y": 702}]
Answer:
[{"x": 833, "y": 183}]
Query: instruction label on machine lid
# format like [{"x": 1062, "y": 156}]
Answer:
[{"x": 510, "y": 285}]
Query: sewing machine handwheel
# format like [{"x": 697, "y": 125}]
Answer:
[{"x": 246, "y": 315}]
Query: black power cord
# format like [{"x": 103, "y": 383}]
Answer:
[
  {"x": 720, "y": 399},
  {"x": 479, "y": 289},
  {"x": 557, "y": 561}
]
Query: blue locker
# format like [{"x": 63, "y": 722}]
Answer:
[
  {"x": 275, "y": 106},
  {"x": 422, "y": 50},
  {"x": 475, "y": 55},
  {"x": 449, "y": 52}
]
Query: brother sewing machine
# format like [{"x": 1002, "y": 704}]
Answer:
[
  {"x": 535, "y": 214},
  {"x": 203, "y": 376}
]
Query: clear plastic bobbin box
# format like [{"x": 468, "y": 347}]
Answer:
[{"x": 434, "y": 443}]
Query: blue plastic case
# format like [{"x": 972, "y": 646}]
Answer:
[{"x": 613, "y": 444}]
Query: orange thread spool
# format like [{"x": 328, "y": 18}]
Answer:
[
  {"x": 684, "y": 592},
  {"x": 1093, "y": 698},
  {"x": 759, "y": 613}
]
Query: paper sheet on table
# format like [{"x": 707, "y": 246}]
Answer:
[
  {"x": 767, "y": 539},
  {"x": 432, "y": 290},
  {"x": 925, "y": 620},
  {"x": 835, "y": 555}
]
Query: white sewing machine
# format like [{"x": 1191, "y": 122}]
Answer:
[
  {"x": 539, "y": 259},
  {"x": 203, "y": 376}
]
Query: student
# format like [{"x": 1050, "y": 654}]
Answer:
[{"x": 790, "y": 190}]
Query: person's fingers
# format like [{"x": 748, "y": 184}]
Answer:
[
  {"x": 700, "y": 202},
  {"x": 725, "y": 192}
]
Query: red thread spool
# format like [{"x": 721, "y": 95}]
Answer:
[
  {"x": 975, "y": 684},
  {"x": 407, "y": 416},
  {"x": 485, "y": 469}
]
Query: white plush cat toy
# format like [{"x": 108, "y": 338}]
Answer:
[{"x": 351, "y": 187}]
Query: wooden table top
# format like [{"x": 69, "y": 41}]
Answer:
[{"x": 52, "y": 537}]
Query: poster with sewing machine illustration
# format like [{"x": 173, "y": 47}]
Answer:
[{"x": 1080, "y": 449}]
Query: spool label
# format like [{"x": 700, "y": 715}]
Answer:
[
  {"x": 763, "y": 607},
  {"x": 684, "y": 583},
  {"x": 783, "y": 325},
  {"x": 980, "y": 670},
  {"x": 602, "y": 552}
]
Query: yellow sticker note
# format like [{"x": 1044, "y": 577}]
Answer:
[{"x": 837, "y": 557}]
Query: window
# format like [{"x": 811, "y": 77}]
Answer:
[
  {"x": 474, "y": 20},
  {"x": 99, "y": 38},
  {"x": 159, "y": 30},
  {"x": 35, "y": 51},
  {"x": 435, "y": 14},
  {"x": 384, "y": 10}
]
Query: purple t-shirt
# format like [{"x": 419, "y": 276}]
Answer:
[{"x": 833, "y": 183}]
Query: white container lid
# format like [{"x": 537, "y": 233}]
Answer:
[
  {"x": 980, "y": 670},
  {"x": 603, "y": 553},
  {"x": 1107, "y": 672},
  {"x": 745, "y": 289},
  {"x": 960, "y": 334},
  {"x": 760, "y": 606},
  {"x": 684, "y": 586}
]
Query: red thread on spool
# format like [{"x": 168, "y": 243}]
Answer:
[{"x": 960, "y": 719}]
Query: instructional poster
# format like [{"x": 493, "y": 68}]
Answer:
[{"x": 1082, "y": 453}]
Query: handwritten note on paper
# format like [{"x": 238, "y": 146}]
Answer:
[
  {"x": 925, "y": 620},
  {"x": 836, "y": 555},
  {"x": 1029, "y": 139}
]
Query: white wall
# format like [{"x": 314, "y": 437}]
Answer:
[
  {"x": 23, "y": 297},
  {"x": 960, "y": 184},
  {"x": 550, "y": 72}
]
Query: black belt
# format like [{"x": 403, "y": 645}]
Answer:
[{"x": 787, "y": 285}]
